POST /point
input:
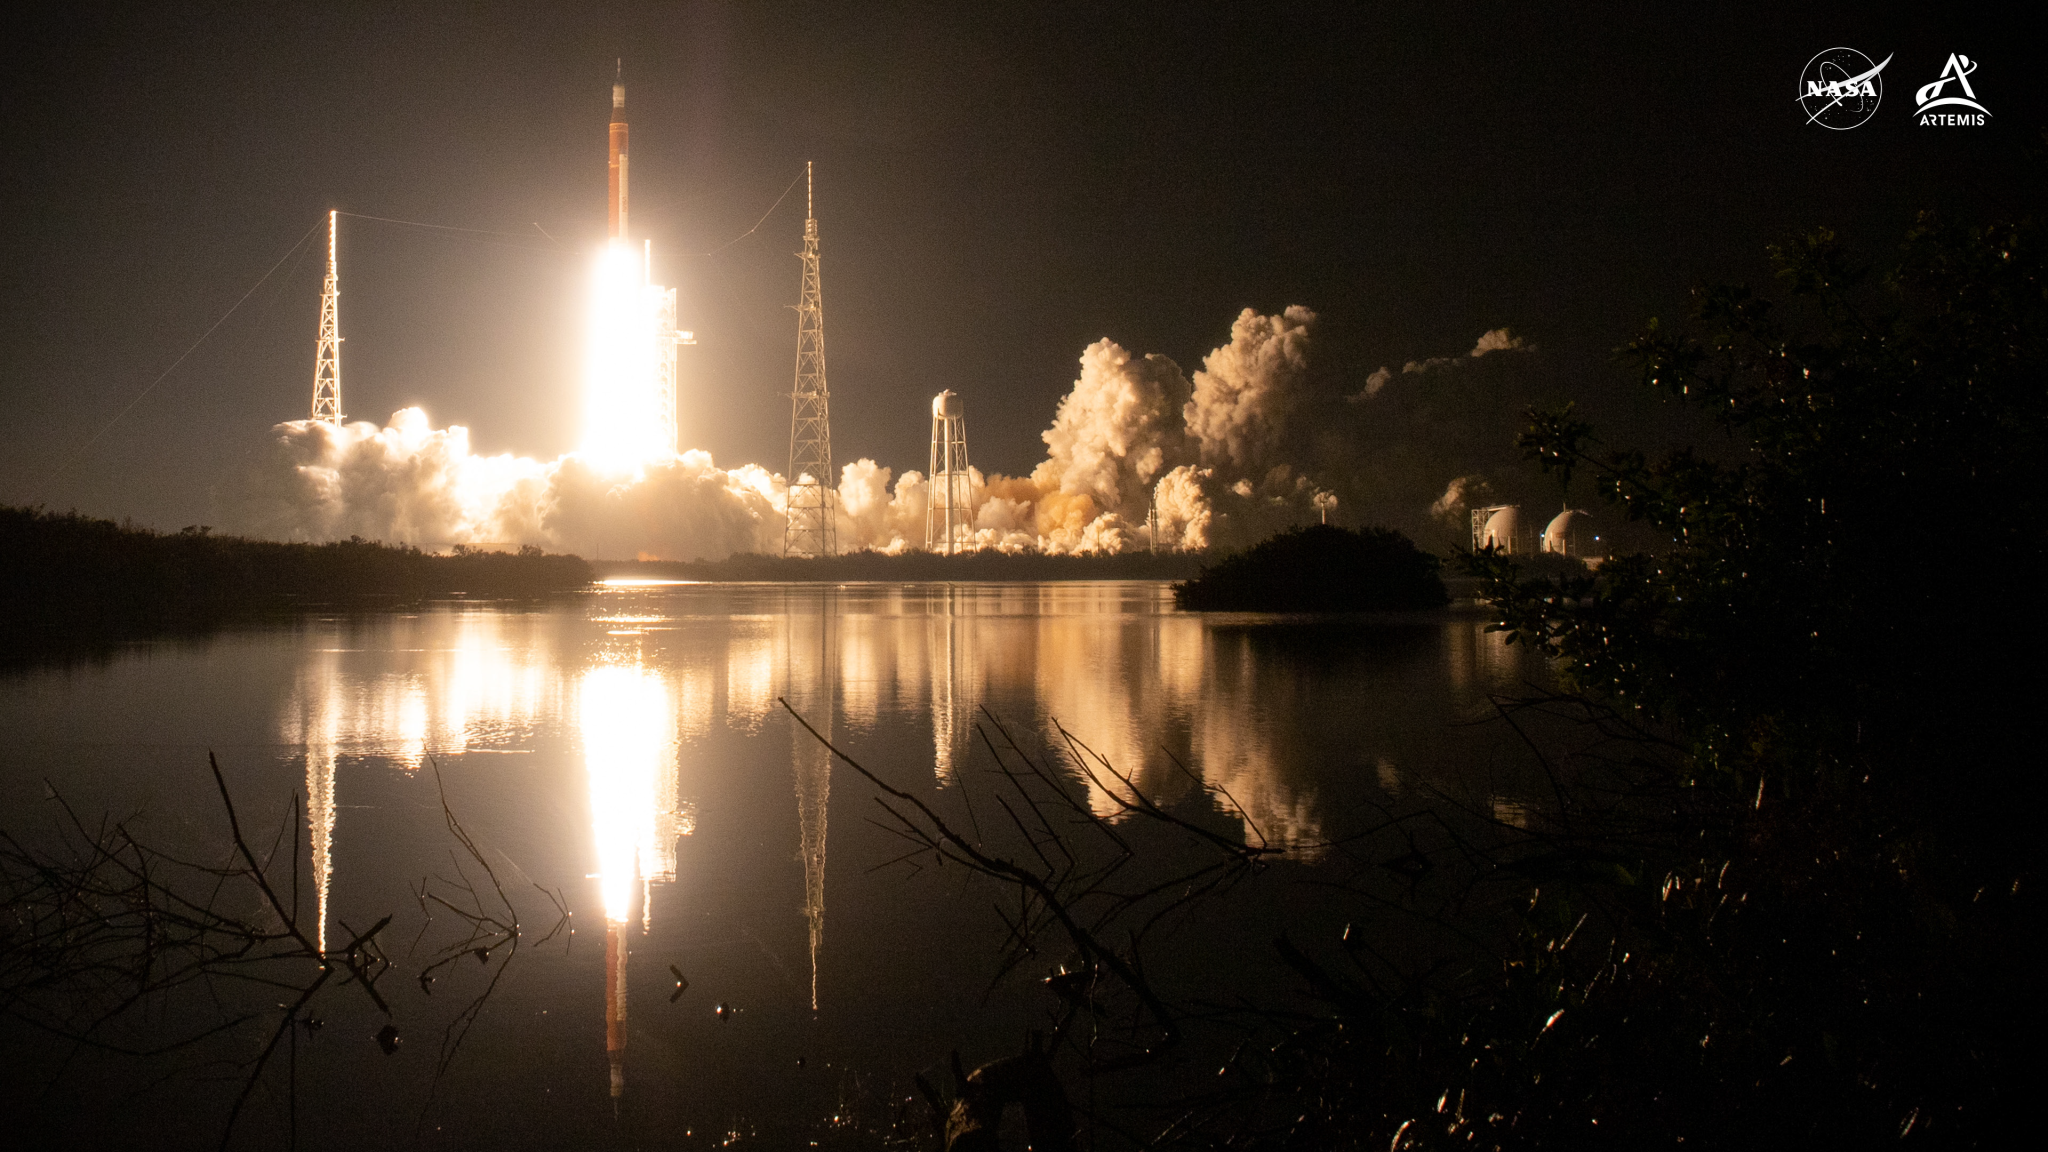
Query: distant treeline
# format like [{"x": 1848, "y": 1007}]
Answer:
[
  {"x": 71, "y": 577},
  {"x": 913, "y": 566}
]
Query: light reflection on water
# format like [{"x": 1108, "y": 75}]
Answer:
[
  {"x": 626, "y": 716},
  {"x": 844, "y": 659},
  {"x": 648, "y": 705}
]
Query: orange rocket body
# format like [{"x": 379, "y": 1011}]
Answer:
[
  {"x": 615, "y": 1005},
  {"x": 618, "y": 162}
]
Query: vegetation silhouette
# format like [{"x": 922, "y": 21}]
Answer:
[
  {"x": 1319, "y": 568},
  {"x": 1839, "y": 709},
  {"x": 204, "y": 976},
  {"x": 1784, "y": 885},
  {"x": 70, "y": 581}
]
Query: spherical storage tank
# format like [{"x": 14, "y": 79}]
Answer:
[
  {"x": 1560, "y": 535},
  {"x": 1500, "y": 530},
  {"x": 946, "y": 404}
]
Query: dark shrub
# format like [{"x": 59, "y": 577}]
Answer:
[{"x": 1319, "y": 568}]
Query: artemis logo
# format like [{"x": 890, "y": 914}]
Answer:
[
  {"x": 1931, "y": 96},
  {"x": 1841, "y": 88}
]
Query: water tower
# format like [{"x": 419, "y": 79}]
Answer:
[{"x": 949, "y": 511}]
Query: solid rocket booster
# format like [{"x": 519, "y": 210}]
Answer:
[{"x": 618, "y": 164}]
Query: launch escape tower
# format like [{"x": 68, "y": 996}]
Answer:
[
  {"x": 811, "y": 530},
  {"x": 327, "y": 356},
  {"x": 949, "y": 509}
]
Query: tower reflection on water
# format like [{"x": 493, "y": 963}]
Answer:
[
  {"x": 636, "y": 682},
  {"x": 811, "y": 688},
  {"x": 439, "y": 684}
]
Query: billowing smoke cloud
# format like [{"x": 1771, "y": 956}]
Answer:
[
  {"x": 406, "y": 481},
  {"x": 411, "y": 482},
  {"x": 1453, "y": 509},
  {"x": 1138, "y": 455},
  {"x": 1498, "y": 340},
  {"x": 1247, "y": 389},
  {"x": 868, "y": 514},
  {"x": 1183, "y": 507},
  {"x": 1119, "y": 430}
]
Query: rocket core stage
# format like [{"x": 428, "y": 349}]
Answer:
[
  {"x": 618, "y": 164},
  {"x": 630, "y": 384}
]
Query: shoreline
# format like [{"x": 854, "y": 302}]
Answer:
[{"x": 908, "y": 568}]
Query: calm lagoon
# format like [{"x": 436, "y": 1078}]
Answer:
[{"x": 626, "y": 749}]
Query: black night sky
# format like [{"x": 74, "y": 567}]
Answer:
[{"x": 997, "y": 187}]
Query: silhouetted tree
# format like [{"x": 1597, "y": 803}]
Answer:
[
  {"x": 1840, "y": 646},
  {"x": 1319, "y": 568}
]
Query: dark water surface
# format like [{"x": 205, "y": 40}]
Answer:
[{"x": 626, "y": 748}]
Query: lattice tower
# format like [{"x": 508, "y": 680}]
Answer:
[
  {"x": 813, "y": 500},
  {"x": 327, "y": 357}
]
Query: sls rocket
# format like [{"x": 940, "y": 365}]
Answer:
[
  {"x": 618, "y": 164},
  {"x": 631, "y": 401}
]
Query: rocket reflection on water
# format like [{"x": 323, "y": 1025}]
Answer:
[
  {"x": 489, "y": 685},
  {"x": 627, "y": 717}
]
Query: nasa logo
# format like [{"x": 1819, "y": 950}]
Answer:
[
  {"x": 1840, "y": 88},
  {"x": 1930, "y": 96}
]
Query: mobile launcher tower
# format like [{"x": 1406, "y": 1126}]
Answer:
[{"x": 949, "y": 510}]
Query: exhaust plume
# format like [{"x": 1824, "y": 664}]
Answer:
[{"x": 1138, "y": 455}]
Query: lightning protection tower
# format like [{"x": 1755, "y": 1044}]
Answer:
[
  {"x": 949, "y": 510},
  {"x": 327, "y": 356},
  {"x": 812, "y": 498}
]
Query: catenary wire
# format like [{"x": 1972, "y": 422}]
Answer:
[
  {"x": 757, "y": 223},
  {"x": 68, "y": 461}
]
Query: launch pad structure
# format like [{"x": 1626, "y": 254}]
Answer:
[
  {"x": 667, "y": 338},
  {"x": 813, "y": 499}
]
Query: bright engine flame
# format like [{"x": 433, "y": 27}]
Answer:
[{"x": 623, "y": 421}]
